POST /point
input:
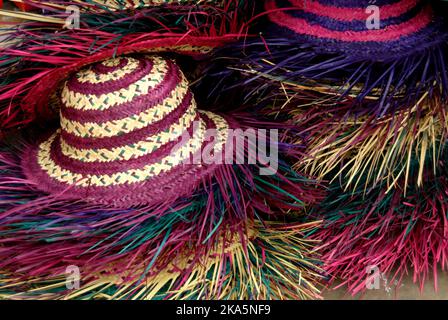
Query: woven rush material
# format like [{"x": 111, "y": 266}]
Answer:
[
  {"x": 341, "y": 49},
  {"x": 129, "y": 133},
  {"x": 344, "y": 25}
]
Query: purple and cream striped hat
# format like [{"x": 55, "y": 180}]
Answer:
[
  {"x": 358, "y": 27},
  {"x": 129, "y": 131}
]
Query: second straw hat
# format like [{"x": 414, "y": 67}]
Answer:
[{"x": 382, "y": 56}]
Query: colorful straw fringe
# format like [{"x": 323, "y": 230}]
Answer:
[
  {"x": 384, "y": 229},
  {"x": 368, "y": 108},
  {"x": 274, "y": 263},
  {"x": 362, "y": 172}
]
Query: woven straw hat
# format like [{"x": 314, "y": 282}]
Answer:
[
  {"x": 381, "y": 59},
  {"x": 346, "y": 25},
  {"x": 129, "y": 131}
]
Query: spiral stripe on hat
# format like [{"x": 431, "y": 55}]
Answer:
[
  {"x": 137, "y": 149},
  {"x": 76, "y": 98},
  {"x": 108, "y": 161},
  {"x": 167, "y": 163},
  {"x": 350, "y": 23},
  {"x": 341, "y": 23},
  {"x": 92, "y": 142},
  {"x": 129, "y": 176},
  {"x": 338, "y": 10},
  {"x": 112, "y": 70},
  {"x": 172, "y": 76},
  {"x": 131, "y": 123}
]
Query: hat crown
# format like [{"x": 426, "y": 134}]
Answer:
[
  {"x": 123, "y": 95},
  {"x": 351, "y": 20}
]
